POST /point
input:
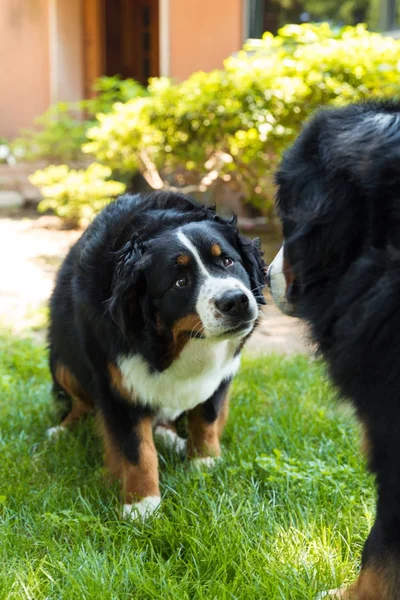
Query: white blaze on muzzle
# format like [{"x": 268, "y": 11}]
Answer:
[{"x": 211, "y": 289}]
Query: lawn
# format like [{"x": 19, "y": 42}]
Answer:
[{"x": 281, "y": 517}]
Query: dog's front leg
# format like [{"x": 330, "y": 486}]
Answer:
[
  {"x": 206, "y": 423},
  {"x": 131, "y": 457}
]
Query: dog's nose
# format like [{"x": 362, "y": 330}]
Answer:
[{"x": 234, "y": 303}]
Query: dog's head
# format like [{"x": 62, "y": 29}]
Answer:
[
  {"x": 187, "y": 274},
  {"x": 336, "y": 190}
]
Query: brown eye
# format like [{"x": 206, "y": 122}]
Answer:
[
  {"x": 227, "y": 262},
  {"x": 181, "y": 282}
]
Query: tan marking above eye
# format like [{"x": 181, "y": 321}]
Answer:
[
  {"x": 183, "y": 259},
  {"x": 216, "y": 250}
]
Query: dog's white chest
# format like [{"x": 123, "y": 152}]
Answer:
[{"x": 190, "y": 380}]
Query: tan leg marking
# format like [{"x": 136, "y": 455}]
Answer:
[
  {"x": 223, "y": 416},
  {"x": 82, "y": 403},
  {"x": 204, "y": 438},
  {"x": 373, "y": 584},
  {"x": 137, "y": 481},
  {"x": 78, "y": 410}
]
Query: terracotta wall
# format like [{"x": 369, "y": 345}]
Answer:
[
  {"x": 41, "y": 50},
  {"x": 24, "y": 63},
  {"x": 203, "y": 33},
  {"x": 67, "y": 51}
]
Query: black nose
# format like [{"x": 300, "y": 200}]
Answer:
[{"x": 234, "y": 303}]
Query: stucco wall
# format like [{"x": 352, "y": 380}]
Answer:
[
  {"x": 203, "y": 34},
  {"x": 66, "y": 51},
  {"x": 41, "y": 50},
  {"x": 24, "y": 63}
]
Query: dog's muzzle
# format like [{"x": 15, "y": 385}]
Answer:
[{"x": 278, "y": 283}]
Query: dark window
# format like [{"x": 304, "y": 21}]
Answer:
[{"x": 270, "y": 15}]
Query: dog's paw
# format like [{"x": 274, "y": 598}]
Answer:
[
  {"x": 205, "y": 461},
  {"x": 141, "y": 510},
  {"x": 54, "y": 433},
  {"x": 338, "y": 594},
  {"x": 170, "y": 438}
]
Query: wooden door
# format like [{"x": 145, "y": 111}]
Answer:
[
  {"x": 93, "y": 43},
  {"x": 121, "y": 37},
  {"x": 132, "y": 39}
]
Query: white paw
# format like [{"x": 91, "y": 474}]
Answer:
[
  {"x": 170, "y": 438},
  {"x": 54, "y": 432},
  {"x": 142, "y": 509},
  {"x": 330, "y": 594},
  {"x": 205, "y": 461}
]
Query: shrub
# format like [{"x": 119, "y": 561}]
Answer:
[
  {"x": 5, "y": 152},
  {"x": 76, "y": 195},
  {"x": 232, "y": 125},
  {"x": 58, "y": 135},
  {"x": 60, "y": 132},
  {"x": 110, "y": 90}
]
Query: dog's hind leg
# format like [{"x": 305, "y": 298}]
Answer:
[
  {"x": 166, "y": 432},
  {"x": 379, "y": 578},
  {"x": 81, "y": 403}
]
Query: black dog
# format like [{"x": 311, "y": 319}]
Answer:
[
  {"x": 339, "y": 201},
  {"x": 150, "y": 311}
]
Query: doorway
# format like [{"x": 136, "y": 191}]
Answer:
[{"x": 121, "y": 37}]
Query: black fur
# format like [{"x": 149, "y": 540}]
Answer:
[
  {"x": 115, "y": 287},
  {"x": 339, "y": 202}
]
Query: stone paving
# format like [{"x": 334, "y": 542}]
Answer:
[{"x": 32, "y": 248}]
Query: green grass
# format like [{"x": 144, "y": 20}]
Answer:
[{"x": 283, "y": 516}]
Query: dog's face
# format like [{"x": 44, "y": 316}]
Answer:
[
  {"x": 281, "y": 281},
  {"x": 197, "y": 281},
  {"x": 187, "y": 276},
  {"x": 336, "y": 190}
]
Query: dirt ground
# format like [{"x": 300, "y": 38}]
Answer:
[{"x": 32, "y": 248}]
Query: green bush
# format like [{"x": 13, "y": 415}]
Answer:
[
  {"x": 232, "y": 125},
  {"x": 76, "y": 195},
  {"x": 59, "y": 133},
  {"x": 110, "y": 90}
]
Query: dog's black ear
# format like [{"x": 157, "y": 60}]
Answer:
[
  {"x": 128, "y": 286},
  {"x": 253, "y": 262}
]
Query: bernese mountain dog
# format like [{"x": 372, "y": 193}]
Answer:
[
  {"x": 149, "y": 314},
  {"x": 339, "y": 269}
]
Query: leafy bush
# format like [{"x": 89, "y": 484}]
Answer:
[
  {"x": 76, "y": 195},
  {"x": 5, "y": 152},
  {"x": 60, "y": 132},
  {"x": 110, "y": 90},
  {"x": 230, "y": 126}
]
